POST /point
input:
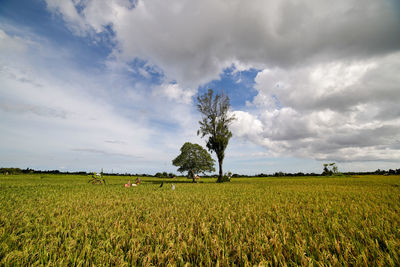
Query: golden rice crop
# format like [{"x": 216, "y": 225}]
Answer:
[{"x": 63, "y": 220}]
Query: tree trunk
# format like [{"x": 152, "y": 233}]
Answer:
[{"x": 220, "y": 177}]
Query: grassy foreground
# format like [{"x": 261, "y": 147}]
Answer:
[{"x": 63, "y": 220}]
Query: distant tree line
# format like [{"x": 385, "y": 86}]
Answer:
[
  {"x": 26, "y": 171},
  {"x": 32, "y": 171},
  {"x": 164, "y": 175},
  {"x": 282, "y": 174},
  {"x": 285, "y": 174},
  {"x": 378, "y": 171},
  {"x": 171, "y": 175}
]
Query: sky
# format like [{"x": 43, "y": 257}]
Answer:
[{"x": 112, "y": 84}]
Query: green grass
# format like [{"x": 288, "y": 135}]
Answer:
[{"x": 63, "y": 220}]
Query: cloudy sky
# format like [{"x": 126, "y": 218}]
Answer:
[{"x": 91, "y": 84}]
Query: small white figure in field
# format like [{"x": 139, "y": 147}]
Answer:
[
  {"x": 128, "y": 184},
  {"x": 137, "y": 182},
  {"x": 173, "y": 187}
]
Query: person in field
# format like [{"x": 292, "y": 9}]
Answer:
[{"x": 128, "y": 184}]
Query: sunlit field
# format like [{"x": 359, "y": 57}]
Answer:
[{"x": 64, "y": 220}]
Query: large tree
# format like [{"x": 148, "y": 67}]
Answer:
[
  {"x": 194, "y": 159},
  {"x": 215, "y": 124}
]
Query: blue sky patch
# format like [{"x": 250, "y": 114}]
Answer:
[{"x": 239, "y": 85}]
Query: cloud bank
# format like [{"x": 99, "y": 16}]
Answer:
[
  {"x": 192, "y": 41},
  {"x": 327, "y": 86},
  {"x": 60, "y": 115},
  {"x": 338, "y": 111}
]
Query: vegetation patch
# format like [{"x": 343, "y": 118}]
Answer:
[{"x": 64, "y": 220}]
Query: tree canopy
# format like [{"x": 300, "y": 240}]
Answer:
[
  {"x": 215, "y": 124},
  {"x": 194, "y": 159},
  {"x": 330, "y": 169}
]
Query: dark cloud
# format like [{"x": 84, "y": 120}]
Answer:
[{"x": 384, "y": 136}]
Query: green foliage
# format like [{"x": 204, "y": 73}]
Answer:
[
  {"x": 164, "y": 175},
  {"x": 97, "y": 179},
  {"x": 10, "y": 171},
  {"x": 215, "y": 124},
  {"x": 61, "y": 220},
  {"x": 330, "y": 169},
  {"x": 193, "y": 159},
  {"x": 227, "y": 177}
]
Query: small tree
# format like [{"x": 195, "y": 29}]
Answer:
[
  {"x": 97, "y": 178},
  {"x": 330, "y": 169},
  {"x": 194, "y": 159},
  {"x": 215, "y": 124}
]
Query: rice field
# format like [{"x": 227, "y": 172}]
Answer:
[{"x": 64, "y": 220}]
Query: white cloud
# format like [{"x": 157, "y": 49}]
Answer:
[
  {"x": 70, "y": 115},
  {"x": 64, "y": 108},
  {"x": 67, "y": 9},
  {"x": 11, "y": 44},
  {"x": 343, "y": 110},
  {"x": 174, "y": 92},
  {"x": 328, "y": 89},
  {"x": 192, "y": 41},
  {"x": 246, "y": 125}
]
